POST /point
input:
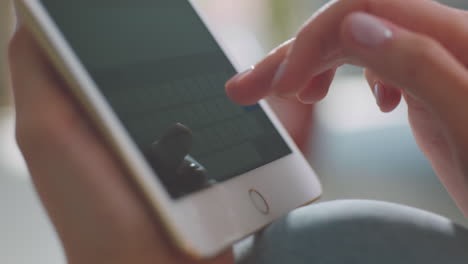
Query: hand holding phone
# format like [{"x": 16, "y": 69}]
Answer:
[
  {"x": 100, "y": 217},
  {"x": 139, "y": 68}
]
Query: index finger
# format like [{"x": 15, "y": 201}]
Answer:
[{"x": 318, "y": 47}]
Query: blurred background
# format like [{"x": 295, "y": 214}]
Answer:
[{"x": 357, "y": 151}]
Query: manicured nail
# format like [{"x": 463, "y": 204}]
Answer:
[
  {"x": 369, "y": 31},
  {"x": 238, "y": 77},
  {"x": 378, "y": 93},
  {"x": 305, "y": 100},
  {"x": 279, "y": 74}
]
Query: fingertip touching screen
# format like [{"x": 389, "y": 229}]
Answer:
[{"x": 163, "y": 74}]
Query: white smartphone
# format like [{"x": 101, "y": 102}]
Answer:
[{"x": 151, "y": 74}]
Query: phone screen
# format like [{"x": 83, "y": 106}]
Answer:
[{"x": 163, "y": 74}]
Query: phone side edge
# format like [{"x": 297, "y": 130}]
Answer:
[{"x": 30, "y": 19}]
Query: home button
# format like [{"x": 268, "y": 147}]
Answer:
[{"x": 259, "y": 202}]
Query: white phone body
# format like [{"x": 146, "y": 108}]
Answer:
[{"x": 205, "y": 223}]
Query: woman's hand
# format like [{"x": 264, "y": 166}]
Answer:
[
  {"x": 99, "y": 217},
  {"x": 414, "y": 48}
]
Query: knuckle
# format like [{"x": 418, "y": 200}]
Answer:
[
  {"x": 301, "y": 35},
  {"x": 419, "y": 50},
  {"x": 20, "y": 138},
  {"x": 310, "y": 37},
  {"x": 27, "y": 137}
]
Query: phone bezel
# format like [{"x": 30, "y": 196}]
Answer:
[{"x": 204, "y": 223}]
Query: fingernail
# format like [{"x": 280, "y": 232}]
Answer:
[
  {"x": 305, "y": 100},
  {"x": 279, "y": 74},
  {"x": 238, "y": 77},
  {"x": 378, "y": 93},
  {"x": 369, "y": 31}
]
